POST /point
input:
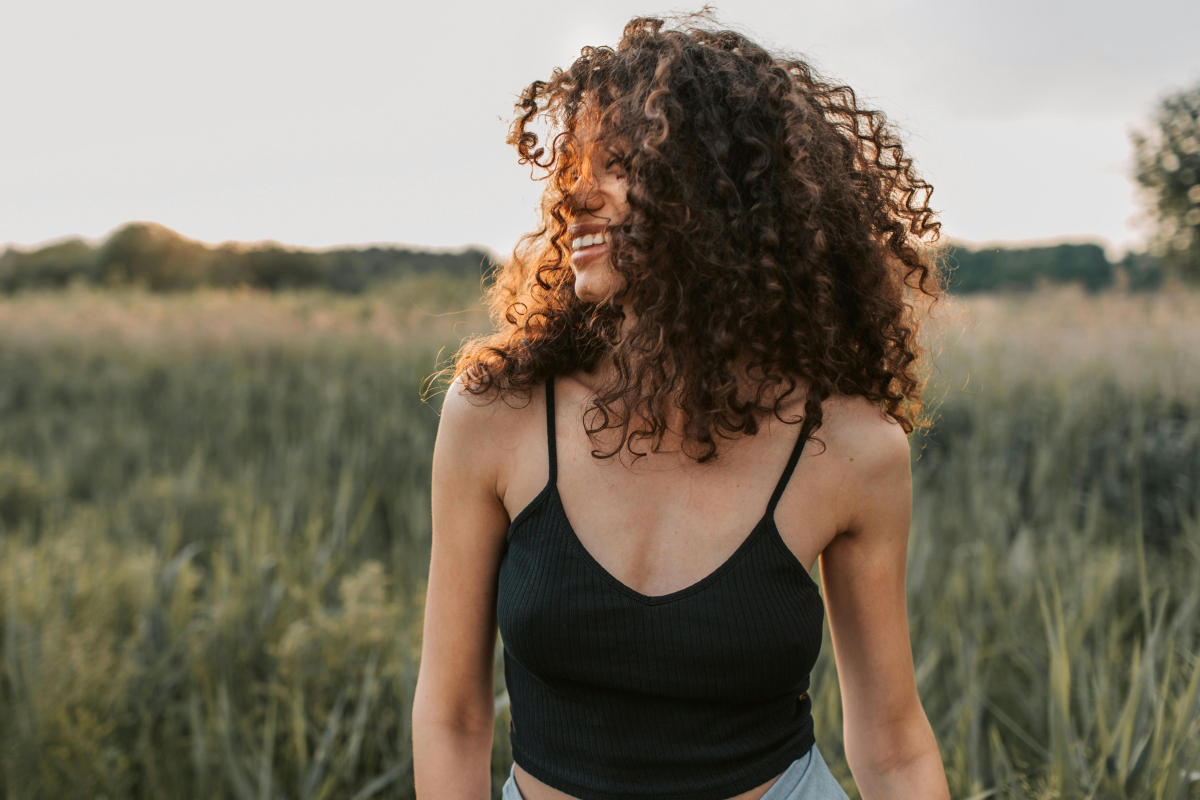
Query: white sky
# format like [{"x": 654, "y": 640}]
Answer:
[{"x": 360, "y": 121}]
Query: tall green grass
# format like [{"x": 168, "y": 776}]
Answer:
[{"x": 214, "y": 534}]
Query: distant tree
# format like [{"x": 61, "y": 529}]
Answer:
[
  {"x": 52, "y": 267},
  {"x": 156, "y": 257},
  {"x": 275, "y": 268},
  {"x": 1007, "y": 269},
  {"x": 1143, "y": 272},
  {"x": 1167, "y": 159}
]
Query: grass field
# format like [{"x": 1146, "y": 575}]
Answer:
[{"x": 214, "y": 531}]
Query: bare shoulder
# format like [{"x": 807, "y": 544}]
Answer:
[
  {"x": 868, "y": 467},
  {"x": 467, "y": 410},
  {"x": 858, "y": 433},
  {"x": 480, "y": 431}
]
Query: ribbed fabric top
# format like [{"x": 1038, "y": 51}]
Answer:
[{"x": 699, "y": 694}]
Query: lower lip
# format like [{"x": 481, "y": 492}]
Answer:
[{"x": 586, "y": 255}]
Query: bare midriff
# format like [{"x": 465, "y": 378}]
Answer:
[{"x": 533, "y": 789}]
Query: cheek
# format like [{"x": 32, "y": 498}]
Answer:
[
  {"x": 620, "y": 202},
  {"x": 615, "y": 192}
]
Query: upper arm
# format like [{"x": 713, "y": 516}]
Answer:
[
  {"x": 863, "y": 572},
  {"x": 454, "y": 684}
]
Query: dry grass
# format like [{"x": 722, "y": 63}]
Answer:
[
  {"x": 210, "y": 319},
  {"x": 1061, "y": 334}
]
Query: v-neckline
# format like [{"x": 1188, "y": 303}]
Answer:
[
  {"x": 728, "y": 564},
  {"x": 767, "y": 521}
]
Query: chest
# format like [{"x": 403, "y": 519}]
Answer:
[
  {"x": 663, "y": 522},
  {"x": 748, "y": 630}
]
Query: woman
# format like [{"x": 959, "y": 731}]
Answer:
[{"x": 703, "y": 379}]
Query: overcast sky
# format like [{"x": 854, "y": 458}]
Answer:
[{"x": 319, "y": 124}]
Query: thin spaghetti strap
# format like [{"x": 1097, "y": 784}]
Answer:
[
  {"x": 789, "y": 469},
  {"x": 551, "y": 445}
]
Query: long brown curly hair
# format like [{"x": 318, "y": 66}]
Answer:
[{"x": 777, "y": 233}]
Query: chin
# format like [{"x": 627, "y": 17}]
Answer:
[{"x": 587, "y": 290}]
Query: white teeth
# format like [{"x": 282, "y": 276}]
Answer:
[{"x": 590, "y": 239}]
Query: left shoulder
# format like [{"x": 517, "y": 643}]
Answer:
[
  {"x": 869, "y": 442},
  {"x": 867, "y": 466}
]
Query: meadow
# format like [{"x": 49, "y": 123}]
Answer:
[{"x": 214, "y": 533}]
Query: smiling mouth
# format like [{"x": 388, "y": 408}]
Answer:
[{"x": 590, "y": 240}]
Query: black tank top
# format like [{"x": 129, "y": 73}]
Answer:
[{"x": 699, "y": 694}]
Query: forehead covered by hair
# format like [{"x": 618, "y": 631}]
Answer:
[{"x": 682, "y": 98}]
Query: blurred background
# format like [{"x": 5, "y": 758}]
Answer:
[{"x": 237, "y": 239}]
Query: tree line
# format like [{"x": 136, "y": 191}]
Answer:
[
  {"x": 158, "y": 259},
  {"x": 1007, "y": 269}
]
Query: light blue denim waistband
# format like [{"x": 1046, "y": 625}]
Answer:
[{"x": 806, "y": 778}]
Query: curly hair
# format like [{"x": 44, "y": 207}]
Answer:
[{"x": 776, "y": 233}]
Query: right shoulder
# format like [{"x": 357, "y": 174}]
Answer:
[
  {"x": 482, "y": 433},
  {"x": 474, "y": 413}
]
